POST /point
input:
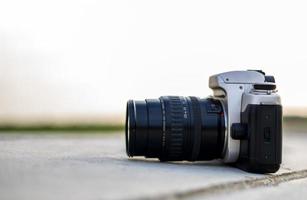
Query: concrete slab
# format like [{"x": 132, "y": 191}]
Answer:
[
  {"x": 95, "y": 166},
  {"x": 295, "y": 189}
]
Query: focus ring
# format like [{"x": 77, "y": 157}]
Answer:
[{"x": 176, "y": 128}]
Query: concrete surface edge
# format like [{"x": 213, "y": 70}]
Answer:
[{"x": 234, "y": 186}]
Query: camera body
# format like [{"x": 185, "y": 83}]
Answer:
[
  {"x": 253, "y": 116},
  {"x": 240, "y": 124}
]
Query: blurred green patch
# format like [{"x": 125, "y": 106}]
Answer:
[
  {"x": 295, "y": 124},
  {"x": 103, "y": 128},
  {"x": 290, "y": 123}
]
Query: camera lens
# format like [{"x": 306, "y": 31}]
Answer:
[{"x": 174, "y": 128}]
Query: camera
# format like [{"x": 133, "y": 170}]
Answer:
[{"x": 241, "y": 124}]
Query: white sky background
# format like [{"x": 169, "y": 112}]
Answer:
[{"x": 68, "y": 57}]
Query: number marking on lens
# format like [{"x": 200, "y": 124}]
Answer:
[{"x": 185, "y": 112}]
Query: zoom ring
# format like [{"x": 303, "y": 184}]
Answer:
[{"x": 176, "y": 129}]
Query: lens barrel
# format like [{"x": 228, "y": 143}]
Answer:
[{"x": 174, "y": 128}]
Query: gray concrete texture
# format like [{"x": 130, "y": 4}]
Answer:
[{"x": 95, "y": 166}]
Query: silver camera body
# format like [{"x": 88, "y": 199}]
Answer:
[
  {"x": 241, "y": 124},
  {"x": 236, "y": 90}
]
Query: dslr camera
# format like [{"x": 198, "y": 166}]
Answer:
[{"x": 241, "y": 123}]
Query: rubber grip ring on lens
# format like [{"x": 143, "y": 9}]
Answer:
[{"x": 176, "y": 130}]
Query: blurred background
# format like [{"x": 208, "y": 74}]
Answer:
[{"x": 66, "y": 62}]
